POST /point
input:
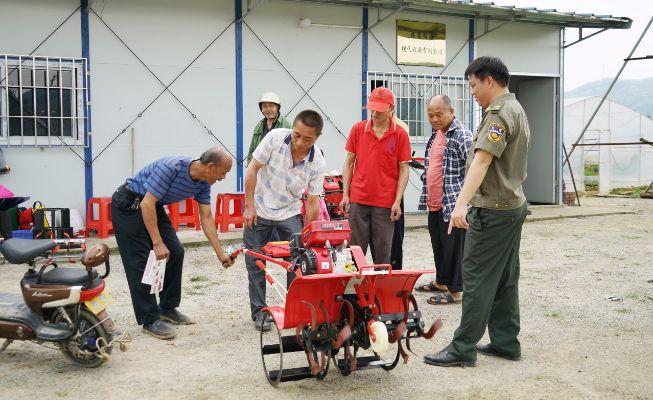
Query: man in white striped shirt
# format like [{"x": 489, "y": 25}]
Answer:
[{"x": 283, "y": 166}]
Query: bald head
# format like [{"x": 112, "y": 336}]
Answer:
[
  {"x": 440, "y": 100},
  {"x": 440, "y": 112},
  {"x": 213, "y": 166},
  {"x": 217, "y": 156}
]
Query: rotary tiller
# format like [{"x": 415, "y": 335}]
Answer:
[{"x": 336, "y": 305}]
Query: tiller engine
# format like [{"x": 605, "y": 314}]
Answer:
[{"x": 336, "y": 305}]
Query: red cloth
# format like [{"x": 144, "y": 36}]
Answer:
[
  {"x": 25, "y": 219},
  {"x": 434, "y": 174},
  {"x": 323, "y": 214},
  {"x": 376, "y": 169}
]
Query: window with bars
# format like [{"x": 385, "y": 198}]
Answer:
[
  {"x": 413, "y": 91},
  {"x": 42, "y": 101}
]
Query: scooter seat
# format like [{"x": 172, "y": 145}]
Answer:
[
  {"x": 13, "y": 309},
  {"x": 67, "y": 276},
  {"x": 19, "y": 251}
]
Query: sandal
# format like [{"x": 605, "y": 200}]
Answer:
[
  {"x": 430, "y": 288},
  {"x": 443, "y": 298}
]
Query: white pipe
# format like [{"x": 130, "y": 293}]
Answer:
[{"x": 306, "y": 22}]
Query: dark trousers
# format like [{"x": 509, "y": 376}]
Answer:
[
  {"x": 371, "y": 224},
  {"x": 490, "y": 282},
  {"x": 447, "y": 251},
  {"x": 134, "y": 244},
  {"x": 256, "y": 237},
  {"x": 397, "y": 251}
]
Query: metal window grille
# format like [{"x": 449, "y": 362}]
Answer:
[
  {"x": 413, "y": 91},
  {"x": 42, "y": 101}
]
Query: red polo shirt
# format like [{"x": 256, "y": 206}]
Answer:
[{"x": 376, "y": 169}]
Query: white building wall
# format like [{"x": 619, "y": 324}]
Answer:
[
  {"x": 524, "y": 48},
  {"x": 306, "y": 53},
  {"x": 168, "y": 34},
  {"x": 52, "y": 175}
]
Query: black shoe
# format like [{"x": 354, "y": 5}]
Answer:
[
  {"x": 446, "y": 359},
  {"x": 175, "y": 317},
  {"x": 160, "y": 330},
  {"x": 261, "y": 323},
  {"x": 488, "y": 350}
]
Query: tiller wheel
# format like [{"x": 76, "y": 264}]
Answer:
[
  {"x": 317, "y": 341},
  {"x": 336, "y": 306}
]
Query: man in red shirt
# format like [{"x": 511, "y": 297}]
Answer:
[{"x": 375, "y": 175}]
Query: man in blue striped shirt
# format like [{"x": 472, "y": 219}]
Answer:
[{"x": 141, "y": 224}]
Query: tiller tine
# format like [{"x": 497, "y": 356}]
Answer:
[
  {"x": 403, "y": 353},
  {"x": 427, "y": 335},
  {"x": 315, "y": 367},
  {"x": 433, "y": 329},
  {"x": 398, "y": 333},
  {"x": 323, "y": 361},
  {"x": 408, "y": 346},
  {"x": 298, "y": 335},
  {"x": 325, "y": 312},
  {"x": 343, "y": 336},
  {"x": 313, "y": 315},
  {"x": 352, "y": 358},
  {"x": 350, "y": 312},
  {"x": 401, "y": 328}
]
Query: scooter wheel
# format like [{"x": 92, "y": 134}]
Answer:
[{"x": 82, "y": 347}]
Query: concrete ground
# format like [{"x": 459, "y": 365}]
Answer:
[{"x": 586, "y": 299}]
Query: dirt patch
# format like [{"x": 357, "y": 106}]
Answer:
[{"x": 576, "y": 344}]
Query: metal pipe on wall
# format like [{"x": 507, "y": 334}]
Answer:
[{"x": 133, "y": 151}]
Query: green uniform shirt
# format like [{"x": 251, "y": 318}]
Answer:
[
  {"x": 258, "y": 134},
  {"x": 504, "y": 133}
]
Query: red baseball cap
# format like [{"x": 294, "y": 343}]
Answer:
[{"x": 380, "y": 99}]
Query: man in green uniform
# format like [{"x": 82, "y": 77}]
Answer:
[
  {"x": 270, "y": 106},
  {"x": 496, "y": 169}
]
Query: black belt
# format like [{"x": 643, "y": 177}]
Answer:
[{"x": 126, "y": 198}]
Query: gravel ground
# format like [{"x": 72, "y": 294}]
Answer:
[{"x": 575, "y": 343}]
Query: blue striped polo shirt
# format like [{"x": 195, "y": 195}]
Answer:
[{"x": 168, "y": 179}]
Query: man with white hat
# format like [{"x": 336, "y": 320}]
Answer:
[{"x": 270, "y": 106}]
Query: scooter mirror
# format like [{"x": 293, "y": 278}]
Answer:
[{"x": 95, "y": 255}]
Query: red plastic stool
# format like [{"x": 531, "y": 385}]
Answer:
[
  {"x": 223, "y": 214},
  {"x": 102, "y": 225},
  {"x": 189, "y": 217}
]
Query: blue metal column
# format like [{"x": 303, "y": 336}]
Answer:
[
  {"x": 88, "y": 149},
  {"x": 472, "y": 35},
  {"x": 364, "y": 67},
  {"x": 239, "y": 96}
]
